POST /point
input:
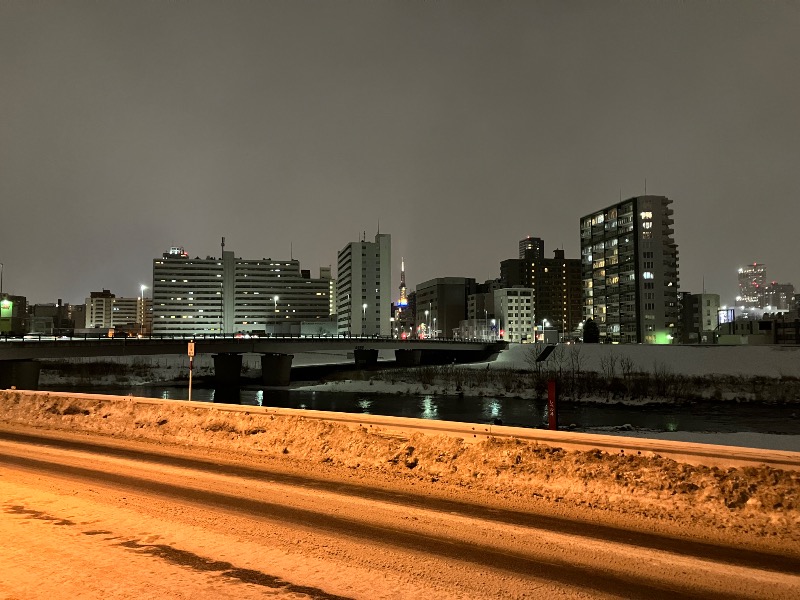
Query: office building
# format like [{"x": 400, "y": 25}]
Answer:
[
  {"x": 442, "y": 305},
  {"x": 363, "y": 287},
  {"x": 229, "y": 295},
  {"x": 514, "y": 308},
  {"x": 105, "y": 310},
  {"x": 629, "y": 266}
]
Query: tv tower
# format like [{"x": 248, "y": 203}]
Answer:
[{"x": 403, "y": 301}]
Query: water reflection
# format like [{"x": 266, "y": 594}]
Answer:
[{"x": 429, "y": 408}]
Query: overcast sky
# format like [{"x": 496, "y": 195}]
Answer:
[{"x": 130, "y": 127}]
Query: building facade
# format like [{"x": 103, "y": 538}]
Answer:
[
  {"x": 752, "y": 286},
  {"x": 514, "y": 308},
  {"x": 13, "y": 315},
  {"x": 363, "y": 287},
  {"x": 629, "y": 266},
  {"x": 531, "y": 247},
  {"x": 105, "y": 310},
  {"x": 779, "y": 297},
  {"x": 557, "y": 287},
  {"x": 229, "y": 295},
  {"x": 699, "y": 314},
  {"x": 442, "y": 306}
]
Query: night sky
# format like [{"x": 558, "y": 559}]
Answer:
[{"x": 130, "y": 127}]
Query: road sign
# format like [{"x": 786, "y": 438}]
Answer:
[{"x": 191, "y": 348}]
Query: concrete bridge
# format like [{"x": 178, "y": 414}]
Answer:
[{"x": 19, "y": 366}]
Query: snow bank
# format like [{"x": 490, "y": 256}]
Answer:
[{"x": 759, "y": 504}]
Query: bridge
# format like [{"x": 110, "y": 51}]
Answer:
[{"x": 19, "y": 366}]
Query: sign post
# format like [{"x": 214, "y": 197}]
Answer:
[
  {"x": 552, "y": 404},
  {"x": 191, "y": 360}
]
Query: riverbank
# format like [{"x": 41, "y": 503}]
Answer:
[{"x": 632, "y": 374}]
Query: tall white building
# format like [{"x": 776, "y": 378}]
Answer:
[
  {"x": 363, "y": 287},
  {"x": 233, "y": 295}
]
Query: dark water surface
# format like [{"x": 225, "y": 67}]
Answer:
[{"x": 728, "y": 417}]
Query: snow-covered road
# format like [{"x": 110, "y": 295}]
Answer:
[{"x": 132, "y": 520}]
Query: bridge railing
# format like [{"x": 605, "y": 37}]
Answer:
[{"x": 40, "y": 337}]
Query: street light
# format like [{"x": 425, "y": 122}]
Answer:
[
  {"x": 426, "y": 323},
  {"x": 275, "y": 325},
  {"x": 545, "y": 323},
  {"x": 364, "y": 319},
  {"x": 143, "y": 287},
  {"x": 434, "y": 326}
]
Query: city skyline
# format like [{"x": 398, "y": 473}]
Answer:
[{"x": 292, "y": 128}]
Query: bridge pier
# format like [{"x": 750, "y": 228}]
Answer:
[
  {"x": 276, "y": 369},
  {"x": 365, "y": 357},
  {"x": 227, "y": 368},
  {"x": 21, "y": 374},
  {"x": 408, "y": 358}
]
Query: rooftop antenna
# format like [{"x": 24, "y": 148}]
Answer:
[
  {"x": 291, "y": 251},
  {"x": 379, "y": 226},
  {"x": 645, "y": 186},
  {"x": 223, "y": 246}
]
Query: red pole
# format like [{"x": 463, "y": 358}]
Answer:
[{"x": 552, "y": 404}]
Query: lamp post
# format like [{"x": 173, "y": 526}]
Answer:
[
  {"x": 544, "y": 325},
  {"x": 275, "y": 326},
  {"x": 434, "y": 327},
  {"x": 426, "y": 323},
  {"x": 364, "y": 319},
  {"x": 143, "y": 287},
  {"x": 485, "y": 323}
]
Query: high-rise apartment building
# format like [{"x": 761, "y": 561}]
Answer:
[
  {"x": 557, "y": 287},
  {"x": 629, "y": 265},
  {"x": 364, "y": 287},
  {"x": 212, "y": 295},
  {"x": 752, "y": 286},
  {"x": 531, "y": 247}
]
